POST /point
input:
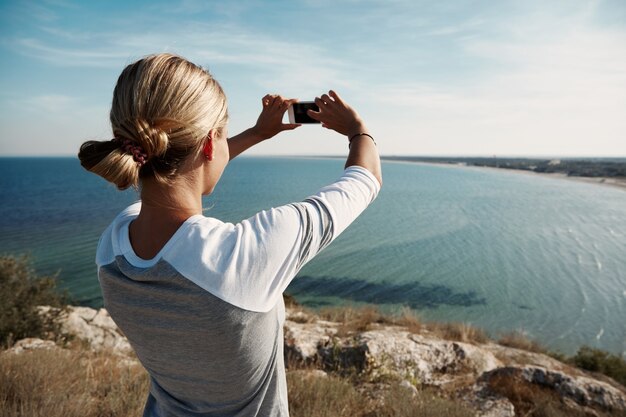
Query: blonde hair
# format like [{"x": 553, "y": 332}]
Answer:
[{"x": 165, "y": 104}]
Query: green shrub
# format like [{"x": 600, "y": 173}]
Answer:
[
  {"x": 21, "y": 291},
  {"x": 596, "y": 360}
]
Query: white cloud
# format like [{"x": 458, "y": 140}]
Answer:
[
  {"x": 69, "y": 56},
  {"x": 275, "y": 61},
  {"x": 558, "y": 89}
]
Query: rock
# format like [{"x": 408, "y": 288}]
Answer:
[
  {"x": 393, "y": 353},
  {"x": 95, "y": 327},
  {"x": 518, "y": 357},
  {"x": 30, "y": 344},
  {"x": 303, "y": 339},
  {"x": 410, "y": 387},
  {"x": 584, "y": 391},
  {"x": 428, "y": 360},
  {"x": 298, "y": 316}
]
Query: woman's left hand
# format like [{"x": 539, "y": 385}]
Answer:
[{"x": 270, "y": 121}]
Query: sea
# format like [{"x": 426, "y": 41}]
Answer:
[{"x": 497, "y": 249}]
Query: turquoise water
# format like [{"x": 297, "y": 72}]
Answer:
[{"x": 497, "y": 249}]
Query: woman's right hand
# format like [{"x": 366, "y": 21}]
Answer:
[{"x": 335, "y": 114}]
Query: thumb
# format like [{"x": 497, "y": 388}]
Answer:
[
  {"x": 315, "y": 115},
  {"x": 290, "y": 126}
]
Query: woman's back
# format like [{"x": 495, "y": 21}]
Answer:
[{"x": 205, "y": 355}]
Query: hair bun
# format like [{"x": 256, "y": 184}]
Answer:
[
  {"x": 162, "y": 110},
  {"x": 152, "y": 139}
]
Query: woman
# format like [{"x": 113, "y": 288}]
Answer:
[{"x": 201, "y": 300}]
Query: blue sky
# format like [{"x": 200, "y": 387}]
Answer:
[{"x": 529, "y": 78}]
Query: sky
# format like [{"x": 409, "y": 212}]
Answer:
[{"x": 462, "y": 78}]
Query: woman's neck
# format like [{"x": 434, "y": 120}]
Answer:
[
  {"x": 170, "y": 202},
  {"x": 164, "y": 208}
]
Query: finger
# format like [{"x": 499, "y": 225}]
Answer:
[
  {"x": 288, "y": 103},
  {"x": 268, "y": 100},
  {"x": 326, "y": 99},
  {"x": 275, "y": 100},
  {"x": 285, "y": 104},
  {"x": 320, "y": 103},
  {"x": 290, "y": 126},
  {"x": 336, "y": 96}
]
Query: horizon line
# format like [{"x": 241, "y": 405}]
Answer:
[{"x": 451, "y": 156}]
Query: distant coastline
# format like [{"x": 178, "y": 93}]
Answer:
[{"x": 603, "y": 171}]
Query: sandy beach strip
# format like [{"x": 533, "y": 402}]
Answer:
[{"x": 619, "y": 182}]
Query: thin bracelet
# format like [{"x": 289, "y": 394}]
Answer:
[{"x": 360, "y": 134}]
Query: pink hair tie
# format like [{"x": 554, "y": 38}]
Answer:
[{"x": 131, "y": 147}]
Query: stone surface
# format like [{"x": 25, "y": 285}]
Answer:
[
  {"x": 30, "y": 344},
  {"x": 581, "y": 390},
  {"x": 93, "y": 326},
  {"x": 302, "y": 340},
  {"x": 410, "y": 387},
  {"x": 426, "y": 359}
]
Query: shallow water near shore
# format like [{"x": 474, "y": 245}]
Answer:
[{"x": 500, "y": 250}]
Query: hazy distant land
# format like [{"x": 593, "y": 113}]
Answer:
[{"x": 609, "y": 171}]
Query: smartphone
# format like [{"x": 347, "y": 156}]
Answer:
[{"x": 297, "y": 112}]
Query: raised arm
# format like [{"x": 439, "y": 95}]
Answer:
[
  {"x": 268, "y": 125},
  {"x": 337, "y": 115}
]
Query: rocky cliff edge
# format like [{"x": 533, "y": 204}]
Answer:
[{"x": 473, "y": 373}]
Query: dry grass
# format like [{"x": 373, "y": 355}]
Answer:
[
  {"x": 70, "y": 383},
  {"x": 360, "y": 319},
  {"x": 407, "y": 318},
  {"x": 519, "y": 340},
  {"x": 353, "y": 319},
  {"x": 460, "y": 332},
  {"x": 313, "y": 396},
  {"x": 398, "y": 402}
]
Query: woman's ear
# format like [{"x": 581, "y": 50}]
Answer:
[{"x": 208, "y": 146}]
